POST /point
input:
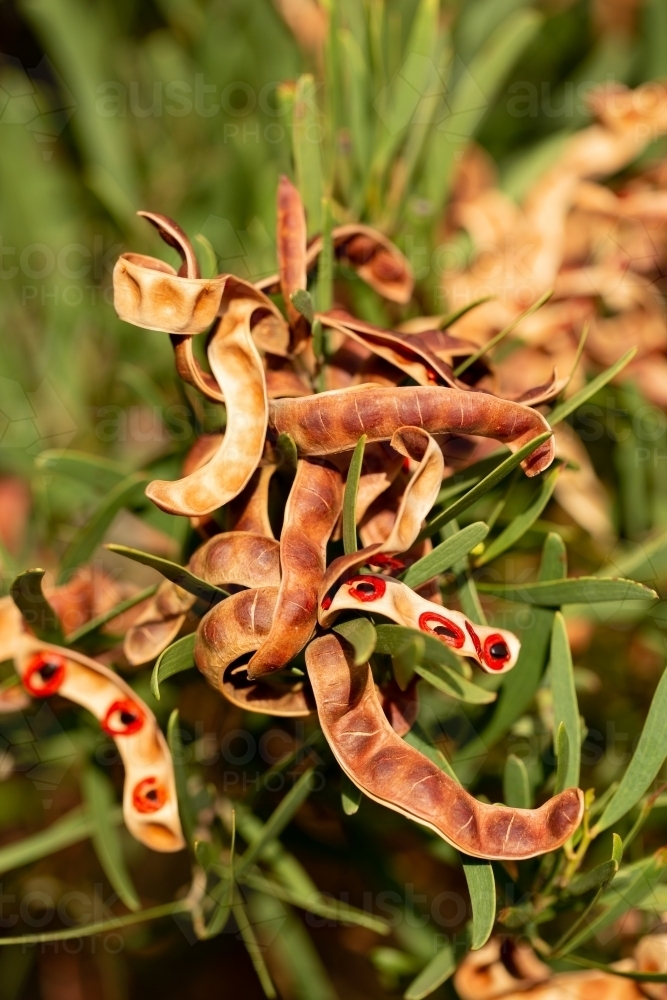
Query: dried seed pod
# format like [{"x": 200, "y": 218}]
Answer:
[
  {"x": 230, "y": 631},
  {"x": 150, "y": 806},
  {"x": 249, "y": 511},
  {"x": 418, "y": 498},
  {"x": 401, "y": 708},
  {"x": 497, "y": 969},
  {"x": 332, "y": 422},
  {"x": 238, "y": 369},
  {"x": 495, "y": 649},
  {"x": 238, "y": 558},
  {"x": 291, "y": 242},
  {"x": 311, "y": 513},
  {"x": 651, "y": 956},
  {"x": 399, "y": 777}
]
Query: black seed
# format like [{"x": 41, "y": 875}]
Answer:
[
  {"x": 443, "y": 630},
  {"x": 47, "y": 671},
  {"x": 366, "y": 588},
  {"x": 499, "y": 651},
  {"x": 152, "y": 794},
  {"x": 127, "y": 718}
]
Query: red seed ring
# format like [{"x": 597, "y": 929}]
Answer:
[
  {"x": 130, "y": 721},
  {"x": 51, "y": 664},
  {"x": 456, "y": 639},
  {"x": 475, "y": 638},
  {"x": 376, "y": 584},
  {"x": 149, "y": 796},
  {"x": 495, "y": 662}
]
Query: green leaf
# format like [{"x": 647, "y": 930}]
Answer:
[
  {"x": 71, "y": 828},
  {"x": 127, "y": 493},
  {"x": 350, "y": 795},
  {"x": 562, "y": 747},
  {"x": 278, "y": 820},
  {"x": 390, "y": 640},
  {"x": 638, "y": 977},
  {"x": 522, "y": 522},
  {"x": 574, "y": 402},
  {"x": 576, "y": 590},
  {"x": 647, "y": 760},
  {"x": 307, "y": 146},
  {"x": 28, "y": 596},
  {"x": 601, "y": 875},
  {"x": 99, "y": 473},
  {"x": 483, "y": 487},
  {"x": 100, "y": 801},
  {"x": 350, "y": 497},
  {"x": 186, "y": 812},
  {"x": 361, "y": 635},
  {"x": 566, "y": 709},
  {"x": 599, "y": 879},
  {"x": 323, "y": 906},
  {"x": 103, "y": 927},
  {"x": 447, "y": 319},
  {"x": 180, "y": 575},
  {"x": 97, "y": 623},
  {"x": 449, "y": 682},
  {"x": 516, "y": 785},
  {"x": 173, "y": 660},
  {"x": 482, "y": 889},
  {"x": 438, "y": 970},
  {"x": 303, "y": 304},
  {"x": 490, "y": 344},
  {"x": 325, "y": 263},
  {"x": 287, "y": 448},
  {"x": 445, "y": 555},
  {"x": 406, "y": 660}
]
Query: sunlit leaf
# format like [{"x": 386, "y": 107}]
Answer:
[
  {"x": 566, "y": 708},
  {"x": 522, "y": 523},
  {"x": 482, "y": 889},
  {"x": 576, "y": 590},
  {"x": 179, "y": 575},
  {"x": 516, "y": 784},
  {"x": 361, "y": 635},
  {"x": 173, "y": 660},
  {"x": 574, "y": 402},
  {"x": 350, "y": 497},
  {"x": 445, "y": 555}
]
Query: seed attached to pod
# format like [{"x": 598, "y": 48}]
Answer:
[
  {"x": 496, "y": 652},
  {"x": 367, "y": 588},
  {"x": 44, "y": 674},
  {"x": 443, "y": 628},
  {"x": 149, "y": 796},
  {"x": 123, "y": 718}
]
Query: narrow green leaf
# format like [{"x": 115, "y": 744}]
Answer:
[
  {"x": 99, "y": 473},
  {"x": 278, "y": 820},
  {"x": 71, "y": 828},
  {"x": 252, "y": 946},
  {"x": 221, "y": 896},
  {"x": 638, "y": 977},
  {"x": 179, "y": 575},
  {"x": 564, "y": 409},
  {"x": 449, "y": 318},
  {"x": 287, "y": 448},
  {"x": 438, "y": 970},
  {"x": 103, "y": 927},
  {"x": 445, "y": 555},
  {"x": 37, "y": 613},
  {"x": 127, "y": 493},
  {"x": 562, "y": 748},
  {"x": 490, "y": 344},
  {"x": 350, "y": 497},
  {"x": 359, "y": 632},
  {"x": 449, "y": 682},
  {"x": 350, "y": 795},
  {"x": 325, "y": 263},
  {"x": 647, "y": 760},
  {"x": 483, "y": 487},
  {"x": 482, "y": 889},
  {"x": 516, "y": 785},
  {"x": 566, "y": 709},
  {"x": 390, "y": 639},
  {"x": 600, "y": 875},
  {"x": 307, "y": 134},
  {"x": 643, "y": 880},
  {"x": 100, "y": 801},
  {"x": 522, "y": 522},
  {"x": 406, "y": 660},
  {"x": 186, "y": 812},
  {"x": 576, "y": 590},
  {"x": 173, "y": 660},
  {"x": 97, "y": 623},
  {"x": 599, "y": 879},
  {"x": 303, "y": 304}
]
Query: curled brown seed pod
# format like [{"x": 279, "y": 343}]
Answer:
[
  {"x": 249, "y": 511},
  {"x": 311, "y": 513},
  {"x": 418, "y": 498},
  {"x": 398, "y": 776},
  {"x": 238, "y": 558},
  {"x": 150, "y": 806},
  {"x": 291, "y": 244},
  {"x": 238, "y": 369},
  {"x": 231, "y": 630},
  {"x": 401, "y": 708},
  {"x": 332, "y": 422}
]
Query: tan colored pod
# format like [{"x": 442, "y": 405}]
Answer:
[
  {"x": 483, "y": 975},
  {"x": 332, "y": 422},
  {"x": 396, "y": 775},
  {"x": 149, "y": 293},
  {"x": 150, "y": 805},
  {"x": 495, "y": 649},
  {"x": 231, "y": 630}
]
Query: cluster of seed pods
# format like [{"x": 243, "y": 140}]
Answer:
[{"x": 284, "y": 596}]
